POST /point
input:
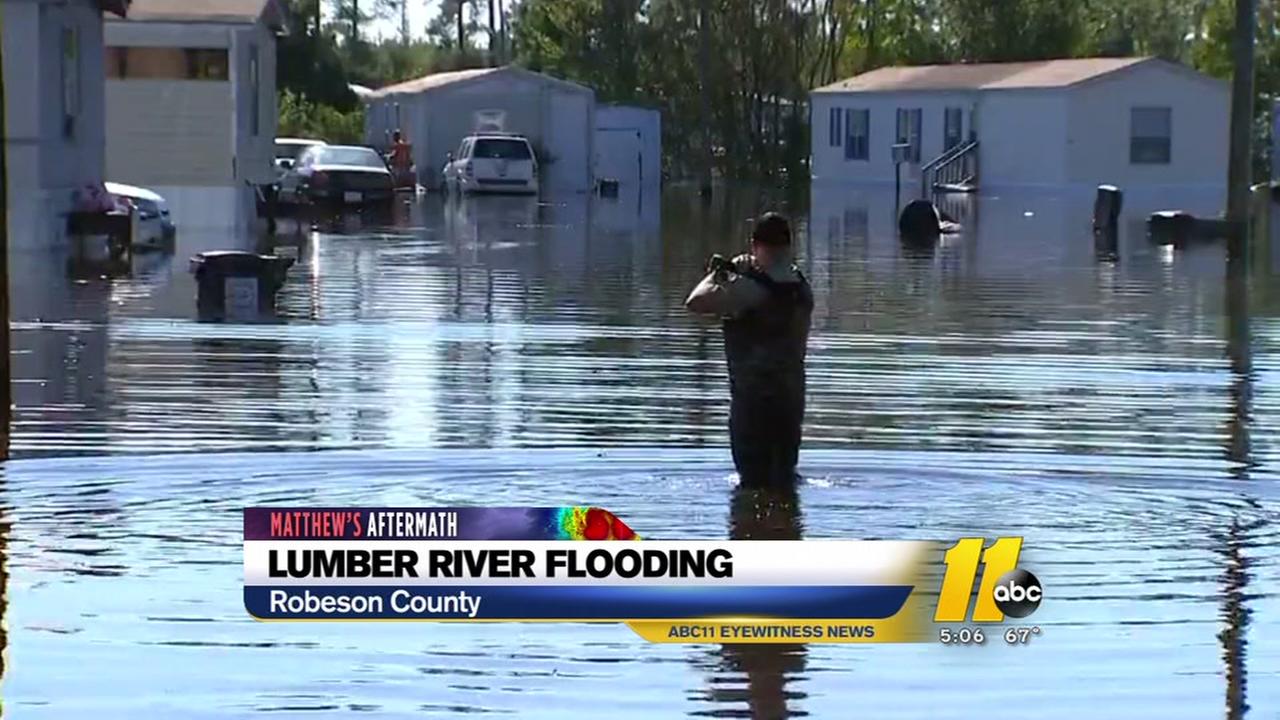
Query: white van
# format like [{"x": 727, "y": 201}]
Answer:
[{"x": 494, "y": 163}]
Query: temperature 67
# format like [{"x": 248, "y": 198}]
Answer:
[{"x": 1021, "y": 635}]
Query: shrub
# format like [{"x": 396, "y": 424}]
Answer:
[{"x": 300, "y": 117}]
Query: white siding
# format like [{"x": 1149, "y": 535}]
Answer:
[
  {"x": 71, "y": 161},
  {"x": 645, "y": 127},
  {"x": 1022, "y": 138},
  {"x": 569, "y": 138},
  {"x": 45, "y": 166},
  {"x": 169, "y": 132},
  {"x": 1099, "y": 127},
  {"x": 829, "y": 162},
  {"x": 167, "y": 34},
  {"x": 254, "y": 148}
]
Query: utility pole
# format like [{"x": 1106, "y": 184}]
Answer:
[
  {"x": 493, "y": 35},
  {"x": 6, "y": 385},
  {"x": 870, "y": 63},
  {"x": 462, "y": 35},
  {"x": 704, "y": 57},
  {"x": 1241, "y": 156},
  {"x": 502, "y": 35}
]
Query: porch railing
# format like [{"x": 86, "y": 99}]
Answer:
[{"x": 955, "y": 169}]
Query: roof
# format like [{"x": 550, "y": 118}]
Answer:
[
  {"x": 218, "y": 11},
  {"x": 989, "y": 76},
  {"x": 435, "y": 81}
]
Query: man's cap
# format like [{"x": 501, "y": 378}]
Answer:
[{"x": 771, "y": 228}]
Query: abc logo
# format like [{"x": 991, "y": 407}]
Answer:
[{"x": 1017, "y": 593}]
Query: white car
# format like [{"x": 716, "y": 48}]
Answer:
[
  {"x": 287, "y": 152},
  {"x": 495, "y": 163},
  {"x": 155, "y": 225}
]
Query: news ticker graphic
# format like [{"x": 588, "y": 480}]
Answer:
[{"x": 530, "y": 565}]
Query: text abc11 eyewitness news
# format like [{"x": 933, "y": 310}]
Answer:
[{"x": 578, "y": 564}]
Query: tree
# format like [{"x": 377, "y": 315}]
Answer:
[{"x": 457, "y": 21}]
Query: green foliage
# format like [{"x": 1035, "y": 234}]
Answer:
[
  {"x": 1012, "y": 30},
  {"x": 300, "y": 117}
]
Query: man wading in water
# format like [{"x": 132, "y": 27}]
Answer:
[{"x": 766, "y": 304}]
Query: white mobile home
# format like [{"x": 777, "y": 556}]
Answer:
[
  {"x": 1124, "y": 121},
  {"x": 53, "y": 110},
  {"x": 437, "y": 111},
  {"x": 191, "y": 101}
]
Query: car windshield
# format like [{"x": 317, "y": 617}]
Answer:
[
  {"x": 290, "y": 151},
  {"x": 501, "y": 149},
  {"x": 362, "y": 157}
]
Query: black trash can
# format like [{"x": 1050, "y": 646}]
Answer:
[
  {"x": 236, "y": 284},
  {"x": 1106, "y": 208},
  {"x": 1171, "y": 227}
]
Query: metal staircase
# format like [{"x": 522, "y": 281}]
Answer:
[{"x": 955, "y": 170}]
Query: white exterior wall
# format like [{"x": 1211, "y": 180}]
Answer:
[
  {"x": 1099, "y": 128},
  {"x": 828, "y": 161},
  {"x": 646, "y": 123},
  {"x": 569, "y": 139},
  {"x": 255, "y": 151},
  {"x": 1022, "y": 138},
  {"x": 45, "y": 167}
]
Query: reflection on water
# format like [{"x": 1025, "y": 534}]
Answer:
[
  {"x": 1120, "y": 415},
  {"x": 761, "y": 677},
  {"x": 1235, "y": 615}
]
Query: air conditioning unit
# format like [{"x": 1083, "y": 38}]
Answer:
[{"x": 490, "y": 121}]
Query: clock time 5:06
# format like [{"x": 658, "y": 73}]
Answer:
[{"x": 961, "y": 636}]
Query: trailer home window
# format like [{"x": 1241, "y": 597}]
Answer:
[
  {"x": 835, "y": 136},
  {"x": 952, "y": 127},
  {"x": 857, "y": 144},
  {"x": 1150, "y": 135},
  {"x": 909, "y": 132},
  {"x": 158, "y": 63}
]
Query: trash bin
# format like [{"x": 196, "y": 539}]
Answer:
[
  {"x": 1171, "y": 227},
  {"x": 234, "y": 284},
  {"x": 101, "y": 243},
  {"x": 920, "y": 222},
  {"x": 1106, "y": 208}
]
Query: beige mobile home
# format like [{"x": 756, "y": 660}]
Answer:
[
  {"x": 1124, "y": 121},
  {"x": 191, "y": 103}
]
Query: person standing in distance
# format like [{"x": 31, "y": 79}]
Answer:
[{"x": 766, "y": 305}]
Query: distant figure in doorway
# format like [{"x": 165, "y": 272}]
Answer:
[{"x": 766, "y": 305}]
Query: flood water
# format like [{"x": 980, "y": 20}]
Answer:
[{"x": 1121, "y": 416}]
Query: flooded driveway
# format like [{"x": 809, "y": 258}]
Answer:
[{"x": 504, "y": 351}]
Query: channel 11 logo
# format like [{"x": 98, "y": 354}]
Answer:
[{"x": 1005, "y": 590}]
